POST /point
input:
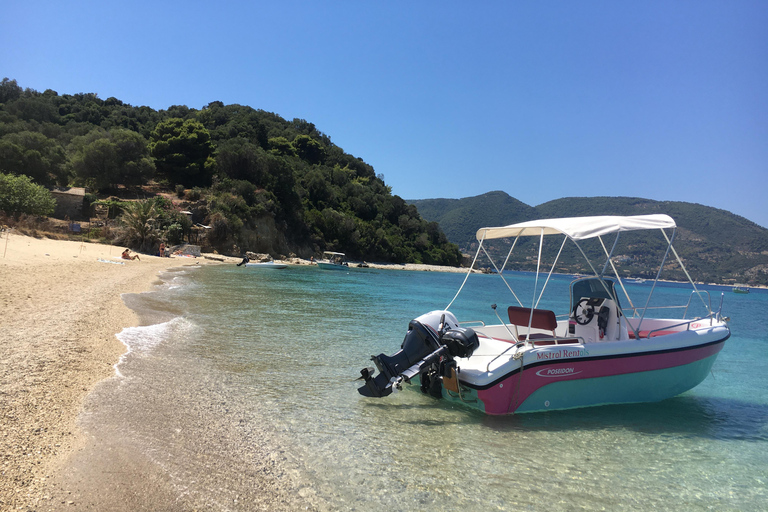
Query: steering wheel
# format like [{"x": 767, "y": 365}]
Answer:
[{"x": 583, "y": 312}]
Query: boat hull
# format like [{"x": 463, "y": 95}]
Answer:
[
  {"x": 275, "y": 266},
  {"x": 590, "y": 381},
  {"x": 331, "y": 266}
]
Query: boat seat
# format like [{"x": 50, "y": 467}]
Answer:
[
  {"x": 542, "y": 318},
  {"x": 535, "y": 336}
]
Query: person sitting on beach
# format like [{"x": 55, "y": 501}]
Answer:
[{"x": 127, "y": 255}]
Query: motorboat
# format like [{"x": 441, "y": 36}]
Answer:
[
  {"x": 333, "y": 261},
  {"x": 741, "y": 288},
  {"x": 605, "y": 349},
  {"x": 266, "y": 264}
]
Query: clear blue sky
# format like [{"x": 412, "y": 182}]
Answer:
[{"x": 543, "y": 100}]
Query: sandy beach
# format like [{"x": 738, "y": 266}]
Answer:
[{"x": 61, "y": 309}]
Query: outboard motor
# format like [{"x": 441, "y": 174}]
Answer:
[
  {"x": 427, "y": 351},
  {"x": 419, "y": 342}
]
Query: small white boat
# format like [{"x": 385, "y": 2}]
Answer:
[
  {"x": 602, "y": 350},
  {"x": 266, "y": 264},
  {"x": 333, "y": 261}
]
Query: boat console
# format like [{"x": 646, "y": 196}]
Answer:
[{"x": 595, "y": 312}]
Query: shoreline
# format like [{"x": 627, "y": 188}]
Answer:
[
  {"x": 62, "y": 309},
  {"x": 416, "y": 267},
  {"x": 419, "y": 267}
]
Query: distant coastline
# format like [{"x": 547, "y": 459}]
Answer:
[{"x": 722, "y": 246}]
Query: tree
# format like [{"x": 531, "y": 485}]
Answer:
[
  {"x": 9, "y": 90},
  {"x": 321, "y": 193},
  {"x": 242, "y": 160},
  {"x": 139, "y": 220},
  {"x": 282, "y": 182},
  {"x": 279, "y": 146},
  {"x": 308, "y": 149},
  {"x": 135, "y": 166},
  {"x": 95, "y": 164},
  {"x": 35, "y": 155},
  {"x": 18, "y": 194},
  {"x": 182, "y": 150},
  {"x": 33, "y": 107},
  {"x": 104, "y": 159}
]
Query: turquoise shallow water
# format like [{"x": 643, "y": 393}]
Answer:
[{"x": 234, "y": 364}]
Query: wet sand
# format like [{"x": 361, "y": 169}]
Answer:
[{"x": 61, "y": 309}]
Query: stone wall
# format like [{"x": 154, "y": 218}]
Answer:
[{"x": 69, "y": 203}]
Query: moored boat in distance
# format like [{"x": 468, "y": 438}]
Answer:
[
  {"x": 605, "y": 349},
  {"x": 333, "y": 261},
  {"x": 267, "y": 264},
  {"x": 741, "y": 288}
]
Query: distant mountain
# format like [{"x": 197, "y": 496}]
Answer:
[
  {"x": 461, "y": 218},
  {"x": 716, "y": 245}
]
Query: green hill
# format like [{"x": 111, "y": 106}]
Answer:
[
  {"x": 716, "y": 245},
  {"x": 261, "y": 183},
  {"x": 461, "y": 218}
]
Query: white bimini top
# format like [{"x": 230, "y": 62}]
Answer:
[{"x": 578, "y": 228}]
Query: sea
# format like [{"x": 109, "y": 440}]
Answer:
[{"x": 240, "y": 379}]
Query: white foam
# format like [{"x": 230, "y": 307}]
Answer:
[
  {"x": 176, "y": 279},
  {"x": 177, "y": 282},
  {"x": 144, "y": 339}
]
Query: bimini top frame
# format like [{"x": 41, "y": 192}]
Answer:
[{"x": 577, "y": 229}]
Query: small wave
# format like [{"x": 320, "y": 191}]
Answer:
[
  {"x": 160, "y": 303},
  {"x": 176, "y": 278},
  {"x": 143, "y": 339}
]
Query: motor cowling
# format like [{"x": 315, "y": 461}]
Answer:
[
  {"x": 418, "y": 343},
  {"x": 461, "y": 342}
]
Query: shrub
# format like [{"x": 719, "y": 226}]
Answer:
[
  {"x": 19, "y": 195},
  {"x": 194, "y": 194},
  {"x": 175, "y": 233},
  {"x": 220, "y": 232},
  {"x": 88, "y": 201}
]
